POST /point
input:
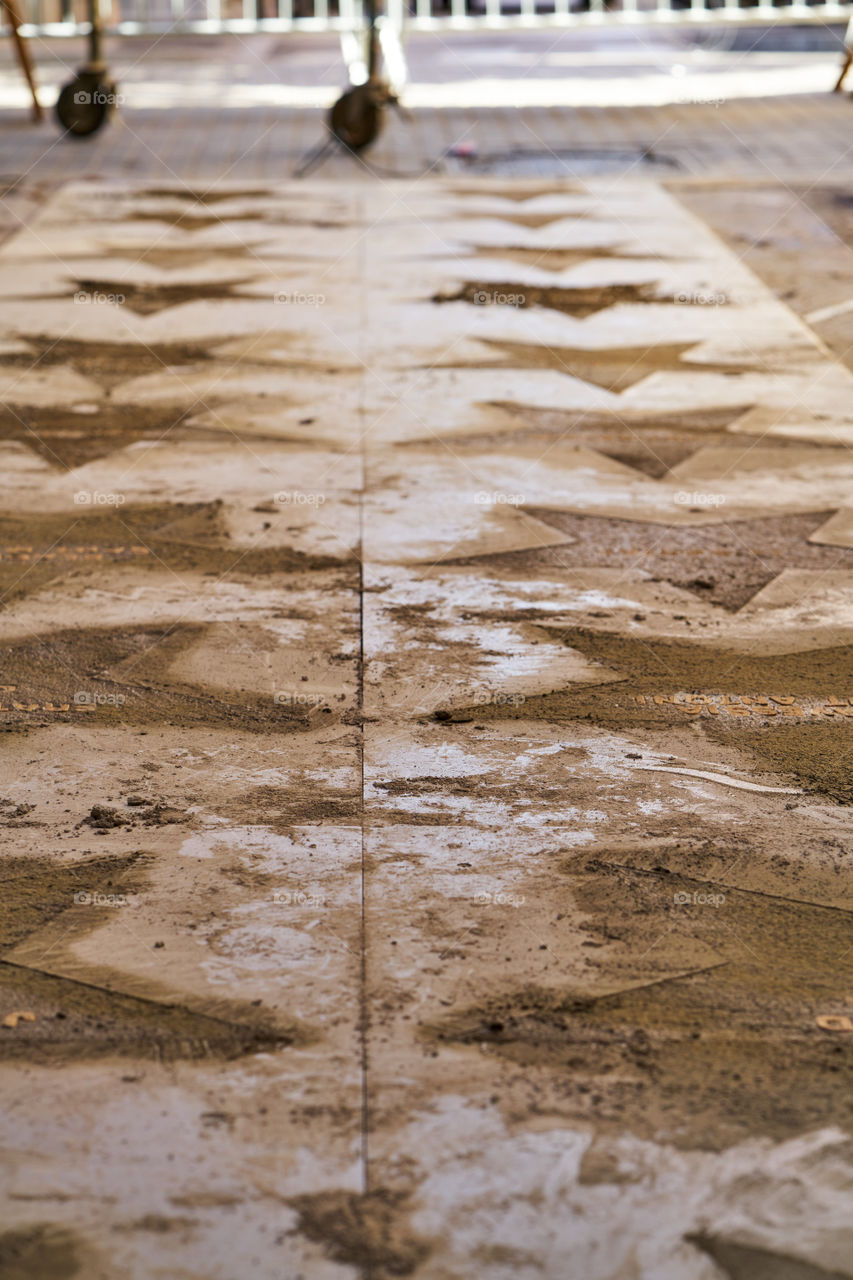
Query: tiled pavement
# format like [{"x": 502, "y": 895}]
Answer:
[{"x": 427, "y": 672}]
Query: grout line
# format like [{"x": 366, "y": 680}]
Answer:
[{"x": 361, "y": 253}]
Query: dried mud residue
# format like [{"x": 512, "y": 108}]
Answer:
[
  {"x": 124, "y": 673},
  {"x": 516, "y": 192},
  {"x": 548, "y": 259},
  {"x": 107, "y": 363},
  {"x": 303, "y": 801},
  {"x": 615, "y": 369},
  {"x": 213, "y": 196},
  {"x": 817, "y": 754},
  {"x": 41, "y": 1252},
  {"x": 702, "y": 1058},
  {"x": 650, "y": 443},
  {"x": 184, "y": 537},
  {"x": 578, "y": 300},
  {"x": 534, "y": 220},
  {"x": 80, "y": 1020},
  {"x": 148, "y": 299},
  {"x": 67, "y": 439},
  {"x": 725, "y": 564},
  {"x": 368, "y": 1231},
  {"x": 77, "y": 1021},
  {"x": 745, "y": 1262},
  {"x": 37, "y": 890}
]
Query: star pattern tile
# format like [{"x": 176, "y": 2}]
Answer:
[
  {"x": 725, "y": 563},
  {"x": 615, "y": 369}
]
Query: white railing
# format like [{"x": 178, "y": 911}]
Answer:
[{"x": 138, "y": 17}]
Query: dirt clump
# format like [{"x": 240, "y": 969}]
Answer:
[{"x": 103, "y": 818}]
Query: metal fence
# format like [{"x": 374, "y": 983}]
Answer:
[{"x": 138, "y": 17}]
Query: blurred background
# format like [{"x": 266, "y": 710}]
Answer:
[{"x": 240, "y": 88}]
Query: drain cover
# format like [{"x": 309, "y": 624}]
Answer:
[{"x": 572, "y": 163}]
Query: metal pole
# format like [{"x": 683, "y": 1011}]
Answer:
[
  {"x": 95, "y": 35},
  {"x": 372, "y": 42}
]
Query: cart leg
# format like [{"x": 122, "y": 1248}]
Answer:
[
  {"x": 88, "y": 101},
  {"x": 23, "y": 56},
  {"x": 848, "y": 56}
]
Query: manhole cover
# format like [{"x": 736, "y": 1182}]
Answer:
[{"x": 573, "y": 163}]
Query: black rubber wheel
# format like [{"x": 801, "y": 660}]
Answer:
[
  {"x": 356, "y": 117},
  {"x": 84, "y": 105}
]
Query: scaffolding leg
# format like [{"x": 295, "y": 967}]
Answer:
[
  {"x": 88, "y": 101},
  {"x": 848, "y": 58},
  {"x": 23, "y": 56}
]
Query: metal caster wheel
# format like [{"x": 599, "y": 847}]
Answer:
[
  {"x": 85, "y": 104},
  {"x": 356, "y": 117}
]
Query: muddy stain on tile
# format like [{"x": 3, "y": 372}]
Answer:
[
  {"x": 614, "y": 369},
  {"x": 725, "y": 564},
  {"x": 744, "y": 1262},
  {"x": 184, "y": 537},
  {"x": 815, "y": 753},
  {"x": 43, "y": 676},
  {"x": 702, "y": 1059},
  {"x": 368, "y": 1231},
  {"x": 108, "y": 363},
  {"x": 42, "y": 1252},
  {"x": 577, "y": 300}
]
